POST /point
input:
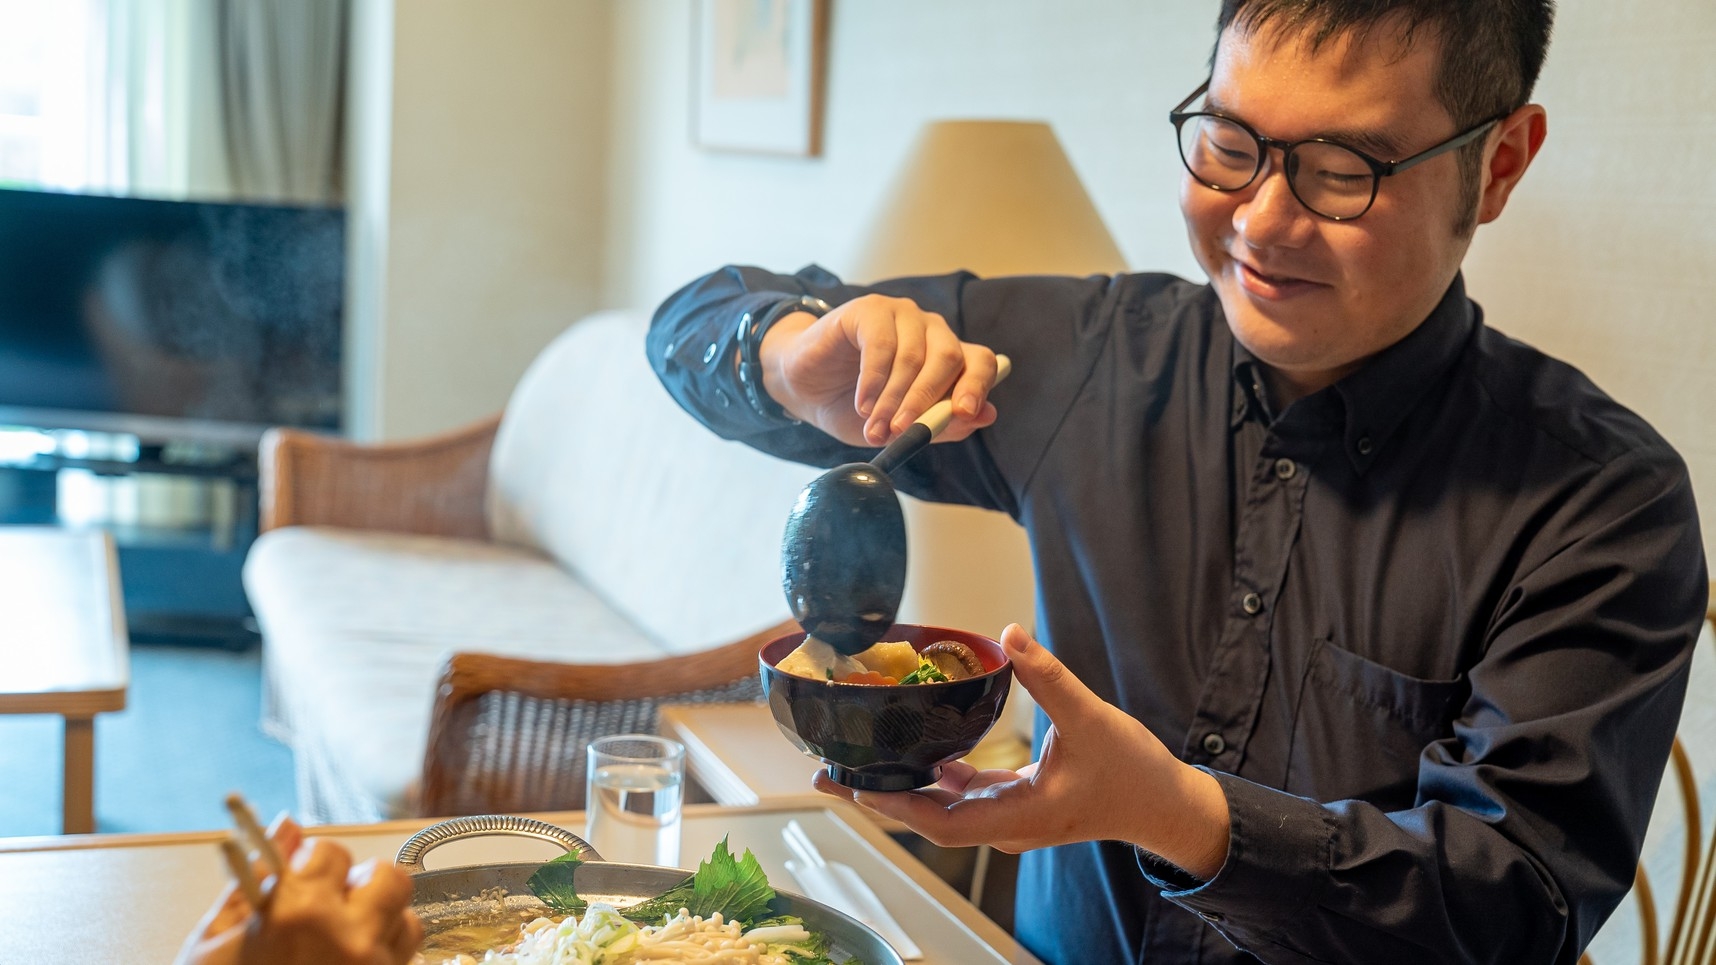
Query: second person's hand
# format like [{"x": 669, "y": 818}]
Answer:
[{"x": 868, "y": 369}]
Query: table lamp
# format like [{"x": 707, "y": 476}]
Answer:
[{"x": 994, "y": 198}]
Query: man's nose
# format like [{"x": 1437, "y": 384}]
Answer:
[{"x": 1272, "y": 216}]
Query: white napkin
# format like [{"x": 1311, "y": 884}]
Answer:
[{"x": 838, "y": 886}]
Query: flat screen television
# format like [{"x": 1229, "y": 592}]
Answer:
[{"x": 170, "y": 320}]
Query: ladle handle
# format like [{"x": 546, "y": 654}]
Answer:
[{"x": 929, "y": 425}]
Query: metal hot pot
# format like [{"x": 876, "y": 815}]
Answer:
[{"x": 449, "y": 898}]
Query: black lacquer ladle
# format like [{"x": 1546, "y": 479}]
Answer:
[{"x": 843, "y": 557}]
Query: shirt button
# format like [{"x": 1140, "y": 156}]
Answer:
[
  {"x": 1213, "y": 918},
  {"x": 1364, "y": 445},
  {"x": 709, "y": 353},
  {"x": 1214, "y": 744},
  {"x": 1285, "y": 468},
  {"x": 1251, "y": 603}
]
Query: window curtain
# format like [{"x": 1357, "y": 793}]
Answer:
[
  {"x": 113, "y": 86},
  {"x": 217, "y": 99},
  {"x": 282, "y": 86}
]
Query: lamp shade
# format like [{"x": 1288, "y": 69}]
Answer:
[{"x": 992, "y": 197}]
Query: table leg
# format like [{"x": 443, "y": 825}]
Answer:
[{"x": 79, "y": 799}]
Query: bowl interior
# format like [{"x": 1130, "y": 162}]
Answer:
[{"x": 987, "y": 650}]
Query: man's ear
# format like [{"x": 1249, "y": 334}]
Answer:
[{"x": 1511, "y": 147}]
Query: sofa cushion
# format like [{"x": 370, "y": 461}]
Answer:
[
  {"x": 359, "y": 623},
  {"x": 593, "y": 455}
]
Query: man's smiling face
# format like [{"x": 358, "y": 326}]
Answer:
[{"x": 1310, "y": 297}]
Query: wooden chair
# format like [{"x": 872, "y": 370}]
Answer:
[
  {"x": 508, "y": 736},
  {"x": 1692, "y": 933}
]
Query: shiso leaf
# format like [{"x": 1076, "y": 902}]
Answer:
[
  {"x": 553, "y": 884},
  {"x": 736, "y": 887}
]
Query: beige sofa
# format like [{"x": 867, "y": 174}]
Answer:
[{"x": 590, "y": 552}]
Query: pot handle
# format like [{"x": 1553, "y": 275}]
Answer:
[{"x": 418, "y": 846}]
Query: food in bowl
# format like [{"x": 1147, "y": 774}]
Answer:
[
  {"x": 883, "y": 737},
  {"x": 887, "y": 663}
]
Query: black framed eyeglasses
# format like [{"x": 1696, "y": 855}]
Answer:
[{"x": 1329, "y": 178}]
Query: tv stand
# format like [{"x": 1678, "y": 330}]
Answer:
[{"x": 182, "y": 515}]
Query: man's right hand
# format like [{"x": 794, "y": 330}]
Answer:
[{"x": 868, "y": 369}]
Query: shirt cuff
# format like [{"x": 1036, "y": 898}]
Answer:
[
  {"x": 704, "y": 365},
  {"x": 1279, "y": 856}
]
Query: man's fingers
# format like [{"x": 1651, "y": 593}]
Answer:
[
  {"x": 911, "y": 351},
  {"x": 322, "y": 860},
  {"x": 286, "y": 834},
  {"x": 381, "y": 888},
  {"x": 945, "y": 818},
  {"x": 230, "y": 910},
  {"x": 972, "y": 390},
  {"x": 943, "y": 361},
  {"x": 870, "y": 328},
  {"x": 1062, "y": 696},
  {"x": 955, "y": 775}
]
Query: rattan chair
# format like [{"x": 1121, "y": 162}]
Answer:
[
  {"x": 507, "y": 735},
  {"x": 434, "y": 486},
  {"x": 1692, "y": 933}
]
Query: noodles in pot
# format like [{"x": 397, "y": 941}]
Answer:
[{"x": 605, "y": 937}]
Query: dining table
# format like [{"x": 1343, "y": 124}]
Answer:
[{"x": 106, "y": 898}]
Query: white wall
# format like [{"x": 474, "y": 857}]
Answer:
[
  {"x": 1603, "y": 258},
  {"x": 484, "y": 216},
  {"x": 1097, "y": 70}
]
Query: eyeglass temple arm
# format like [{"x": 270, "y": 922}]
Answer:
[{"x": 1457, "y": 141}]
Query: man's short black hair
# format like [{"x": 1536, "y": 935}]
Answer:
[{"x": 1491, "y": 50}]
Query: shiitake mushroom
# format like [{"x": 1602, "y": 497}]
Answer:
[{"x": 953, "y": 658}]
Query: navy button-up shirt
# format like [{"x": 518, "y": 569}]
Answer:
[{"x": 1429, "y": 627}]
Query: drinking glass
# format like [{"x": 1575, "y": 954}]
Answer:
[{"x": 635, "y": 791}]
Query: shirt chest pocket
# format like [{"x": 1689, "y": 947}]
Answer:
[{"x": 1359, "y": 728}]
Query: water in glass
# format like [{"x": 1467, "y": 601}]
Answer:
[{"x": 632, "y": 813}]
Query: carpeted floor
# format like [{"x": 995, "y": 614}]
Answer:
[{"x": 188, "y": 735}]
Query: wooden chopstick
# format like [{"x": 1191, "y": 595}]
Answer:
[
  {"x": 238, "y": 862},
  {"x": 251, "y": 831}
]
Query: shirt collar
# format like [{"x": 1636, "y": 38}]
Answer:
[
  {"x": 1377, "y": 398},
  {"x": 1379, "y": 395}
]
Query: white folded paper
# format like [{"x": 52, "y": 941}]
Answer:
[{"x": 840, "y": 887}]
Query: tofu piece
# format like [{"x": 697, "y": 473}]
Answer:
[{"x": 814, "y": 659}]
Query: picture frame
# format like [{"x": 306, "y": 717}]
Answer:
[{"x": 757, "y": 81}]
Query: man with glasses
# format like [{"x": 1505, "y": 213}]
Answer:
[{"x": 1365, "y": 628}]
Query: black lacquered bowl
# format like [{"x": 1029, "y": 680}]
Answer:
[{"x": 888, "y": 738}]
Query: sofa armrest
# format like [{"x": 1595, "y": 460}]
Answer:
[
  {"x": 434, "y": 485},
  {"x": 508, "y": 736}
]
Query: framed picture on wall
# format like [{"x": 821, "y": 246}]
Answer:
[{"x": 757, "y": 82}]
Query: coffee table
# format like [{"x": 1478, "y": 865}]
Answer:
[
  {"x": 99, "y": 899},
  {"x": 63, "y": 645}
]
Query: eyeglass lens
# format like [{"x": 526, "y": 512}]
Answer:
[{"x": 1327, "y": 178}]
